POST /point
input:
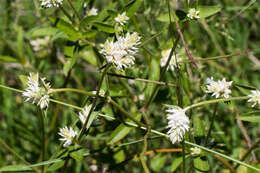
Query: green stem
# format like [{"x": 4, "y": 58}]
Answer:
[
  {"x": 211, "y": 124},
  {"x": 216, "y": 101},
  {"x": 43, "y": 138},
  {"x": 72, "y": 90},
  {"x": 94, "y": 102},
  {"x": 141, "y": 80},
  {"x": 142, "y": 155},
  {"x": 75, "y": 11}
]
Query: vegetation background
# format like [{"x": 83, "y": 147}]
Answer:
[{"x": 70, "y": 59}]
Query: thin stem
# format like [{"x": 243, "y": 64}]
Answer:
[
  {"x": 216, "y": 101},
  {"x": 217, "y": 57},
  {"x": 43, "y": 137},
  {"x": 11, "y": 89},
  {"x": 94, "y": 102},
  {"x": 211, "y": 124},
  {"x": 141, "y": 80},
  {"x": 148, "y": 127},
  {"x": 72, "y": 90},
  {"x": 183, "y": 41},
  {"x": 75, "y": 11}
]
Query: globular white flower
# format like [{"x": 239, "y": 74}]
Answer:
[
  {"x": 178, "y": 123},
  {"x": 84, "y": 113},
  {"x": 255, "y": 98},
  {"x": 38, "y": 91},
  {"x": 40, "y": 43},
  {"x": 195, "y": 151},
  {"x": 218, "y": 88},
  {"x": 193, "y": 13},
  {"x": 121, "y": 18},
  {"x": 67, "y": 134},
  {"x": 174, "y": 60},
  {"x": 50, "y": 3},
  {"x": 92, "y": 12},
  {"x": 122, "y": 51}
]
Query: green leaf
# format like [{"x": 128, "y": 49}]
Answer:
[
  {"x": 56, "y": 165},
  {"x": 121, "y": 131},
  {"x": 91, "y": 119},
  {"x": 206, "y": 11},
  {"x": 155, "y": 75},
  {"x": 20, "y": 41},
  {"x": 132, "y": 7},
  {"x": 46, "y": 31},
  {"x": 199, "y": 128},
  {"x": 250, "y": 117},
  {"x": 157, "y": 162},
  {"x": 67, "y": 28},
  {"x": 4, "y": 58},
  {"x": 201, "y": 165},
  {"x": 89, "y": 34},
  {"x": 12, "y": 168},
  {"x": 69, "y": 51},
  {"x": 77, "y": 155},
  {"x": 104, "y": 27},
  {"x": 116, "y": 90},
  {"x": 176, "y": 163},
  {"x": 89, "y": 55},
  {"x": 69, "y": 64}
]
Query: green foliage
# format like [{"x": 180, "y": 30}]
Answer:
[{"x": 64, "y": 45}]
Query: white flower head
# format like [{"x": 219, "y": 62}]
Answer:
[
  {"x": 195, "y": 151},
  {"x": 84, "y": 113},
  {"x": 92, "y": 12},
  {"x": 255, "y": 98},
  {"x": 67, "y": 134},
  {"x": 174, "y": 59},
  {"x": 178, "y": 123},
  {"x": 193, "y": 13},
  {"x": 38, "y": 91},
  {"x": 122, "y": 51},
  {"x": 121, "y": 18},
  {"x": 218, "y": 88},
  {"x": 50, "y": 3},
  {"x": 40, "y": 43}
]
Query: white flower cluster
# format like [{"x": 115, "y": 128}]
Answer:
[
  {"x": 38, "y": 91},
  {"x": 193, "y": 13},
  {"x": 121, "y": 18},
  {"x": 255, "y": 98},
  {"x": 122, "y": 51},
  {"x": 178, "y": 123},
  {"x": 40, "y": 43},
  {"x": 92, "y": 12},
  {"x": 173, "y": 63},
  {"x": 218, "y": 88},
  {"x": 67, "y": 134},
  {"x": 50, "y": 3}
]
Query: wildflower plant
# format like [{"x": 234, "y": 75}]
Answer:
[{"x": 114, "y": 65}]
